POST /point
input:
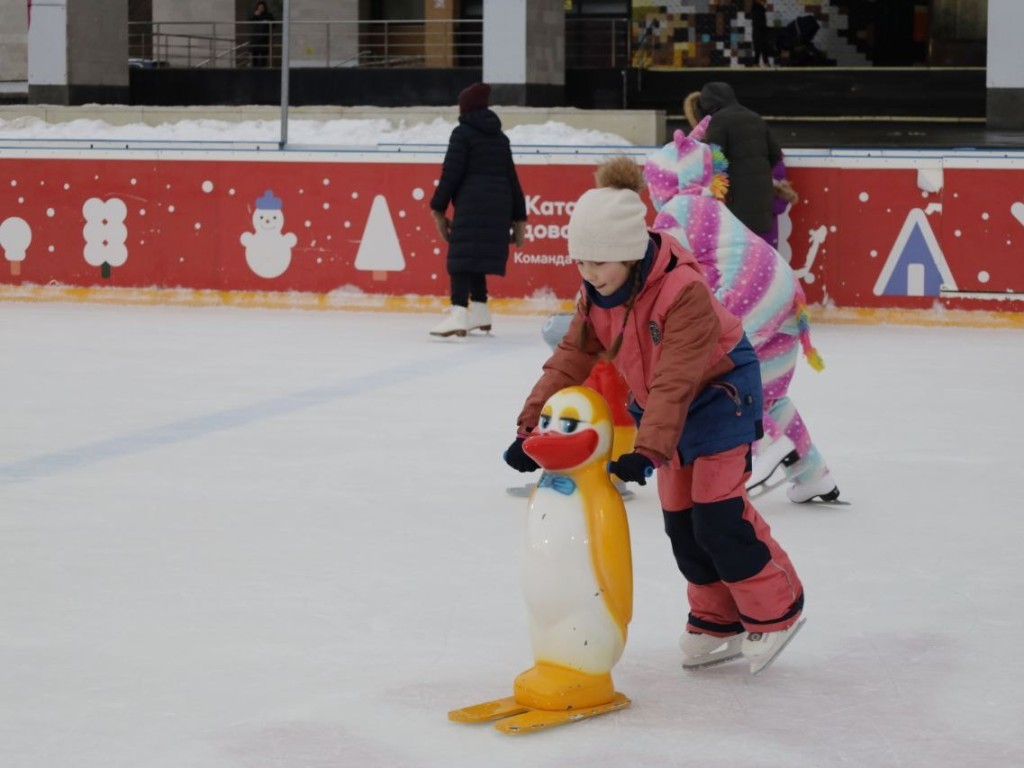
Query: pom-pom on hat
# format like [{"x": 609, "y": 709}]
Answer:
[
  {"x": 608, "y": 224},
  {"x": 477, "y": 96},
  {"x": 269, "y": 202}
]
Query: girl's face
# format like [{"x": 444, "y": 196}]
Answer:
[{"x": 606, "y": 276}]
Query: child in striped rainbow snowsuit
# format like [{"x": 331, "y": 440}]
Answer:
[{"x": 687, "y": 183}]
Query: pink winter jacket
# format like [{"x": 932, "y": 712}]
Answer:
[{"x": 675, "y": 340}]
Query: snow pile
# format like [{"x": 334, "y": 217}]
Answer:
[{"x": 342, "y": 132}]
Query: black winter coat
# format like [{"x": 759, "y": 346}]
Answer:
[
  {"x": 751, "y": 150},
  {"x": 479, "y": 178},
  {"x": 758, "y": 26}
]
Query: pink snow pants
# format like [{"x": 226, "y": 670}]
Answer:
[{"x": 739, "y": 578}]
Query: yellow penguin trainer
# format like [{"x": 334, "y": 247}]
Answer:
[{"x": 577, "y": 573}]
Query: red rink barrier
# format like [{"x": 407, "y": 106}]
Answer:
[{"x": 868, "y": 232}]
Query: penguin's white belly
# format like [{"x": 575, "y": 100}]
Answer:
[{"x": 569, "y": 620}]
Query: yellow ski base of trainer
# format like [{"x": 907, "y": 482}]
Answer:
[
  {"x": 489, "y": 710},
  {"x": 514, "y": 718}
]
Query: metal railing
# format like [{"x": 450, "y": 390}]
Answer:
[
  {"x": 412, "y": 43},
  {"x": 415, "y": 43}
]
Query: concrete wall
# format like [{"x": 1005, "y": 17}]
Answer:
[
  {"x": 194, "y": 10},
  {"x": 13, "y": 41},
  {"x": 1005, "y": 75},
  {"x": 98, "y": 43},
  {"x": 312, "y": 42},
  {"x": 78, "y": 52},
  {"x": 318, "y": 45},
  {"x": 545, "y": 42},
  {"x": 524, "y": 51}
]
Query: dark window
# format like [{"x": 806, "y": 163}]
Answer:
[
  {"x": 598, "y": 8},
  {"x": 388, "y": 10}
]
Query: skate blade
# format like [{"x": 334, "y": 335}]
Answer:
[
  {"x": 716, "y": 660},
  {"x": 763, "y": 665},
  {"x": 819, "y": 502},
  {"x": 830, "y": 498}
]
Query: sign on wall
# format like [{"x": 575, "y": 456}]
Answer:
[{"x": 859, "y": 237}]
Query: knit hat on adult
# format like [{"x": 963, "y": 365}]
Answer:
[
  {"x": 608, "y": 224},
  {"x": 477, "y": 96}
]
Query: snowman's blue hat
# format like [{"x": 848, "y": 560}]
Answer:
[{"x": 269, "y": 202}]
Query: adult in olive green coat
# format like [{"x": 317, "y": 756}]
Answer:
[{"x": 751, "y": 150}]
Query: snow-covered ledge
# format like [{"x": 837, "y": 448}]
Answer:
[{"x": 640, "y": 127}]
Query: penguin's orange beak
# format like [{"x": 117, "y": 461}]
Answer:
[{"x": 555, "y": 451}]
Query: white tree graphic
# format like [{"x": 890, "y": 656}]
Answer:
[
  {"x": 105, "y": 233},
  {"x": 15, "y": 237},
  {"x": 379, "y": 250}
]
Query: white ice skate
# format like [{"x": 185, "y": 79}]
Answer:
[
  {"x": 479, "y": 317},
  {"x": 456, "y": 324},
  {"x": 761, "y": 648},
  {"x": 700, "y": 650},
  {"x": 823, "y": 489},
  {"x": 774, "y": 455}
]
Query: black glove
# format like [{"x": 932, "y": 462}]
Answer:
[
  {"x": 632, "y": 467},
  {"x": 516, "y": 457}
]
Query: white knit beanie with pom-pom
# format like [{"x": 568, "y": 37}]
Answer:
[{"x": 608, "y": 224}]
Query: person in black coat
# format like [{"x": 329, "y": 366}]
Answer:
[
  {"x": 759, "y": 32},
  {"x": 259, "y": 40},
  {"x": 479, "y": 178},
  {"x": 751, "y": 150}
]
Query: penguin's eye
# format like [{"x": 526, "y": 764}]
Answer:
[
  {"x": 545, "y": 420},
  {"x": 569, "y": 425}
]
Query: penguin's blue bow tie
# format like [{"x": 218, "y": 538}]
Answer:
[{"x": 560, "y": 483}]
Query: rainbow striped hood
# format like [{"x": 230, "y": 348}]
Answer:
[{"x": 687, "y": 166}]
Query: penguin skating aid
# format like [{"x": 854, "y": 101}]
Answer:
[
  {"x": 514, "y": 718},
  {"x": 577, "y": 574}
]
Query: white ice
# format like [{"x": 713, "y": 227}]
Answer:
[{"x": 256, "y": 538}]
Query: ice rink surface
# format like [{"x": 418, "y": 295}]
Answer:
[{"x": 240, "y": 538}]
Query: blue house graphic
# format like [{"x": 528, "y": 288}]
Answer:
[{"x": 916, "y": 266}]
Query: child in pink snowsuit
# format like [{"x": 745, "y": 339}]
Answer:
[{"x": 687, "y": 184}]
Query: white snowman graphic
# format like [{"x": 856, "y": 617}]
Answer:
[{"x": 268, "y": 250}]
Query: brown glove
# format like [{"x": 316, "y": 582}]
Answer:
[
  {"x": 784, "y": 190},
  {"x": 518, "y": 233},
  {"x": 444, "y": 227}
]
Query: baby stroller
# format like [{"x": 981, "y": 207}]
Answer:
[{"x": 795, "y": 43}]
